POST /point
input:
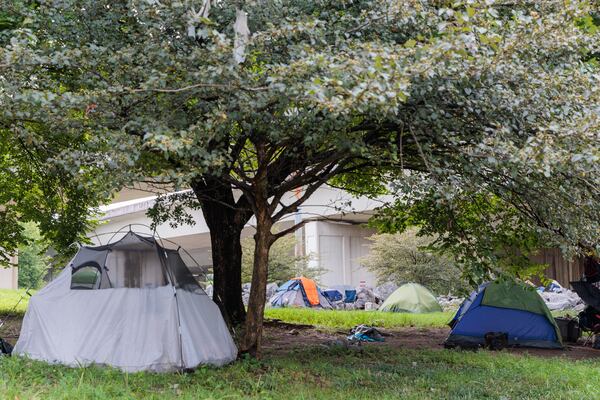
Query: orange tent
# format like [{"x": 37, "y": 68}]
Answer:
[
  {"x": 310, "y": 288},
  {"x": 299, "y": 292}
]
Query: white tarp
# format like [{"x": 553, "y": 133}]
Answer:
[
  {"x": 132, "y": 329},
  {"x": 562, "y": 299}
]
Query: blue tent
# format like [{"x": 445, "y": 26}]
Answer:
[
  {"x": 509, "y": 307},
  {"x": 299, "y": 292}
]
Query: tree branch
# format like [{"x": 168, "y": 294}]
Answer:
[
  {"x": 289, "y": 230},
  {"x": 201, "y": 86}
]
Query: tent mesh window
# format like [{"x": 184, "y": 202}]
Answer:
[
  {"x": 133, "y": 262},
  {"x": 180, "y": 274},
  {"x": 85, "y": 277}
]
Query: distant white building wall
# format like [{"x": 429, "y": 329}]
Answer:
[
  {"x": 9, "y": 277},
  {"x": 338, "y": 249}
]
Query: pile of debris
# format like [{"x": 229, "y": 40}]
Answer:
[
  {"x": 450, "y": 302},
  {"x": 365, "y": 299},
  {"x": 365, "y": 333},
  {"x": 382, "y": 292},
  {"x": 271, "y": 289},
  {"x": 558, "y": 298},
  {"x": 246, "y": 293}
]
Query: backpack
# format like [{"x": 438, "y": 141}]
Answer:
[
  {"x": 5, "y": 347},
  {"x": 496, "y": 340}
]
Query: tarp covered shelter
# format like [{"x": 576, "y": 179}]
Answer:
[
  {"x": 505, "y": 306},
  {"x": 588, "y": 292},
  {"x": 411, "y": 298},
  {"x": 299, "y": 292},
  {"x": 132, "y": 304}
]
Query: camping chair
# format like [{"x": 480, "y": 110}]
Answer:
[
  {"x": 589, "y": 322},
  {"x": 589, "y": 335},
  {"x": 589, "y": 319}
]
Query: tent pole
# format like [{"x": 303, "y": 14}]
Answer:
[{"x": 172, "y": 281}]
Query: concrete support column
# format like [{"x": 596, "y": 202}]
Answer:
[{"x": 9, "y": 277}]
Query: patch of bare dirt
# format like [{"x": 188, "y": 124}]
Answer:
[
  {"x": 281, "y": 338},
  {"x": 10, "y": 328}
]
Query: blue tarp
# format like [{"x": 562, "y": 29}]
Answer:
[
  {"x": 345, "y": 292},
  {"x": 333, "y": 295}
]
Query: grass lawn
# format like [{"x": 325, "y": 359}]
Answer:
[
  {"x": 376, "y": 372},
  {"x": 320, "y": 318},
  {"x": 347, "y": 319},
  {"x": 8, "y": 299},
  {"x": 314, "y": 371}
]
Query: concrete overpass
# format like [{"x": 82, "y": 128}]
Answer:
[{"x": 335, "y": 236}]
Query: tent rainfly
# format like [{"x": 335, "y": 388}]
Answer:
[
  {"x": 131, "y": 304},
  {"x": 411, "y": 298}
]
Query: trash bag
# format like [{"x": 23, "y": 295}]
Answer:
[
  {"x": 365, "y": 333},
  {"x": 496, "y": 340},
  {"x": 5, "y": 347},
  {"x": 271, "y": 289}
]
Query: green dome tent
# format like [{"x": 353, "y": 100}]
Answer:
[
  {"x": 505, "y": 306},
  {"x": 411, "y": 298}
]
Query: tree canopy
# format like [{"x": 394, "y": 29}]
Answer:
[
  {"x": 31, "y": 189},
  {"x": 34, "y": 186},
  {"x": 33, "y": 263}
]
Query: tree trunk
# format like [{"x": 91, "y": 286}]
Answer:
[
  {"x": 252, "y": 340},
  {"x": 227, "y": 273},
  {"x": 225, "y": 220}
]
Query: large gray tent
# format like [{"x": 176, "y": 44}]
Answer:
[{"x": 132, "y": 304}]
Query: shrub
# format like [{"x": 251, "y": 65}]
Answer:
[
  {"x": 283, "y": 263},
  {"x": 406, "y": 257},
  {"x": 33, "y": 263}
]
